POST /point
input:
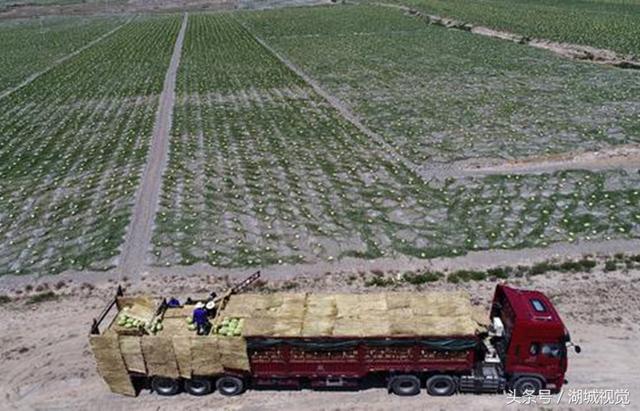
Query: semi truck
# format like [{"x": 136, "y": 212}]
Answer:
[{"x": 405, "y": 341}]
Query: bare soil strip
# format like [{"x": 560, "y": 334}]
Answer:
[
  {"x": 344, "y": 111},
  {"x": 139, "y": 232},
  {"x": 626, "y": 157},
  {"x": 567, "y": 50},
  {"x": 61, "y": 60},
  {"x": 474, "y": 260},
  {"x": 616, "y": 158}
]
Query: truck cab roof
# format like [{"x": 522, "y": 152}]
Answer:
[{"x": 533, "y": 310}]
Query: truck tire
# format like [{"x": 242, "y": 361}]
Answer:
[
  {"x": 229, "y": 385},
  {"x": 404, "y": 385},
  {"x": 441, "y": 385},
  {"x": 531, "y": 385},
  {"x": 198, "y": 386},
  {"x": 165, "y": 386}
]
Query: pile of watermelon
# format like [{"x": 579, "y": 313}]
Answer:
[
  {"x": 190, "y": 324},
  {"x": 127, "y": 321},
  {"x": 230, "y": 327}
]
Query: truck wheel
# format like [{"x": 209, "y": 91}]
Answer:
[
  {"x": 527, "y": 384},
  {"x": 165, "y": 386},
  {"x": 229, "y": 385},
  {"x": 198, "y": 386},
  {"x": 441, "y": 385},
  {"x": 405, "y": 385}
]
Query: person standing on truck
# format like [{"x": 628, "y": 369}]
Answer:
[
  {"x": 201, "y": 318},
  {"x": 211, "y": 308}
]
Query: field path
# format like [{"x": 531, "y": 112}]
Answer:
[
  {"x": 61, "y": 60},
  {"x": 473, "y": 260},
  {"x": 139, "y": 232},
  {"x": 344, "y": 110}
]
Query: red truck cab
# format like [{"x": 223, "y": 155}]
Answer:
[{"x": 533, "y": 350}]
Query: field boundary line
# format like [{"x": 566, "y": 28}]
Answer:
[
  {"x": 342, "y": 108},
  {"x": 140, "y": 230},
  {"x": 61, "y": 60},
  {"x": 571, "y": 51}
]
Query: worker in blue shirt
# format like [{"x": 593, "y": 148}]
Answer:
[{"x": 201, "y": 319}]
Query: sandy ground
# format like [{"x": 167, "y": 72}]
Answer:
[{"x": 47, "y": 364}]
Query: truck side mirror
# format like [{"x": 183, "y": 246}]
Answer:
[{"x": 577, "y": 349}]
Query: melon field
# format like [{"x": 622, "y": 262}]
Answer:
[
  {"x": 263, "y": 171},
  {"x": 609, "y": 24},
  {"x": 72, "y": 144},
  {"x": 301, "y": 135},
  {"x": 30, "y": 45},
  {"x": 444, "y": 95}
]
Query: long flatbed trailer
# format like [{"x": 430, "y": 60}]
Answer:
[{"x": 404, "y": 341}]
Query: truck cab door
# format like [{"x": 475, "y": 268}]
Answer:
[{"x": 549, "y": 358}]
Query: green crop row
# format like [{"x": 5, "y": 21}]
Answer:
[
  {"x": 208, "y": 66},
  {"x": 29, "y": 46},
  {"x": 72, "y": 146}
]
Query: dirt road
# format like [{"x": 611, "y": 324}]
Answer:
[
  {"x": 47, "y": 364},
  {"x": 140, "y": 228}
]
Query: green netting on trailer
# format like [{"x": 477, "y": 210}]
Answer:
[{"x": 438, "y": 344}]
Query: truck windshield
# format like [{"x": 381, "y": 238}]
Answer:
[{"x": 554, "y": 350}]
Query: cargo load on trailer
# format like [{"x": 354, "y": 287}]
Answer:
[{"x": 404, "y": 340}]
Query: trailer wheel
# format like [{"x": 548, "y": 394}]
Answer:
[
  {"x": 441, "y": 385},
  {"x": 229, "y": 385},
  {"x": 405, "y": 385},
  {"x": 198, "y": 386},
  {"x": 527, "y": 384},
  {"x": 165, "y": 386}
]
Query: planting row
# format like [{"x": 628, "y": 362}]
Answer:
[
  {"x": 221, "y": 57},
  {"x": 72, "y": 146},
  {"x": 30, "y": 46},
  {"x": 442, "y": 95}
]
